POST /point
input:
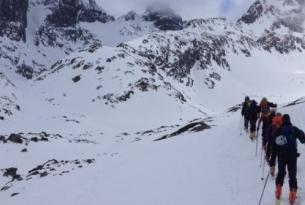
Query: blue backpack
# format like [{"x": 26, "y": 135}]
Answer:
[{"x": 287, "y": 139}]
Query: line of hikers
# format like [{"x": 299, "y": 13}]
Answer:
[{"x": 279, "y": 140}]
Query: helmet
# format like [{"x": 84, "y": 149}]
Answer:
[
  {"x": 247, "y": 98},
  {"x": 277, "y": 121}
]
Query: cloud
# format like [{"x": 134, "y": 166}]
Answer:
[{"x": 187, "y": 9}]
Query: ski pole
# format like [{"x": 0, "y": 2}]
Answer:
[
  {"x": 240, "y": 124},
  {"x": 263, "y": 171},
  {"x": 256, "y": 141},
  {"x": 260, "y": 200},
  {"x": 261, "y": 163}
]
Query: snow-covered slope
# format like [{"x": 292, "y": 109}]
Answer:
[
  {"x": 277, "y": 24},
  {"x": 8, "y": 98},
  {"x": 141, "y": 109}
]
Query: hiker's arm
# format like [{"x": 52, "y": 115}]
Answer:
[
  {"x": 299, "y": 134},
  {"x": 272, "y": 104}
]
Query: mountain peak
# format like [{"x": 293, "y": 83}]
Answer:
[
  {"x": 164, "y": 16},
  {"x": 287, "y": 13}
]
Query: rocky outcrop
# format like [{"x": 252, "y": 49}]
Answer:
[
  {"x": 91, "y": 12},
  {"x": 70, "y": 12},
  {"x": 163, "y": 17},
  {"x": 254, "y": 12},
  {"x": 284, "y": 44},
  {"x": 65, "y": 14},
  {"x": 50, "y": 168},
  {"x": 13, "y": 19}
]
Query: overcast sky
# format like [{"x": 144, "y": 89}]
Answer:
[{"x": 188, "y": 9}]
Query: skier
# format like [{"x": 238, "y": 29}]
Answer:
[
  {"x": 271, "y": 152},
  {"x": 268, "y": 124},
  {"x": 253, "y": 116},
  {"x": 287, "y": 156},
  {"x": 264, "y": 114},
  {"x": 245, "y": 112}
]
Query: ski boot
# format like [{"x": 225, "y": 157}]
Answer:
[
  {"x": 292, "y": 196},
  {"x": 278, "y": 191}
]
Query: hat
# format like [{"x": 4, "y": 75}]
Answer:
[{"x": 286, "y": 119}]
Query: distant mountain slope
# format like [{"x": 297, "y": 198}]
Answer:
[{"x": 8, "y": 98}]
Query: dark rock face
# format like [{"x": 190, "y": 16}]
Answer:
[
  {"x": 283, "y": 44},
  {"x": 50, "y": 168},
  {"x": 12, "y": 172},
  {"x": 191, "y": 127},
  {"x": 164, "y": 18},
  {"x": 169, "y": 23},
  {"x": 70, "y": 12},
  {"x": 25, "y": 71},
  {"x": 13, "y": 19},
  {"x": 92, "y": 13},
  {"x": 65, "y": 14},
  {"x": 15, "y": 138},
  {"x": 130, "y": 16},
  {"x": 254, "y": 12}
]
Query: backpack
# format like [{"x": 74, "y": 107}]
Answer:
[{"x": 286, "y": 140}]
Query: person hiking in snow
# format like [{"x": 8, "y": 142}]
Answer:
[
  {"x": 268, "y": 123},
  {"x": 264, "y": 113},
  {"x": 253, "y": 116},
  {"x": 245, "y": 112},
  {"x": 286, "y": 142},
  {"x": 271, "y": 149}
]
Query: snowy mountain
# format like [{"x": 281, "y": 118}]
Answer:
[
  {"x": 49, "y": 30},
  {"x": 278, "y": 24},
  {"x": 8, "y": 98},
  {"x": 142, "y": 109}
]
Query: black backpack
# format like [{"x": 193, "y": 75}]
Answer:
[{"x": 286, "y": 140}]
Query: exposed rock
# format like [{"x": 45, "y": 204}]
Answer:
[
  {"x": 130, "y": 16},
  {"x": 296, "y": 102},
  {"x": 25, "y": 71},
  {"x": 49, "y": 168},
  {"x": 65, "y": 14},
  {"x": 254, "y": 12},
  {"x": 24, "y": 150},
  {"x": 12, "y": 172},
  {"x": 192, "y": 127},
  {"x": 2, "y": 139},
  {"x": 163, "y": 17},
  {"x": 70, "y": 12},
  {"x": 91, "y": 12},
  {"x": 13, "y": 19},
  {"x": 14, "y": 194},
  {"x": 76, "y": 79},
  {"x": 15, "y": 138}
]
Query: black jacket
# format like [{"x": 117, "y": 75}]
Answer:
[
  {"x": 245, "y": 109},
  {"x": 254, "y": 111}
]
